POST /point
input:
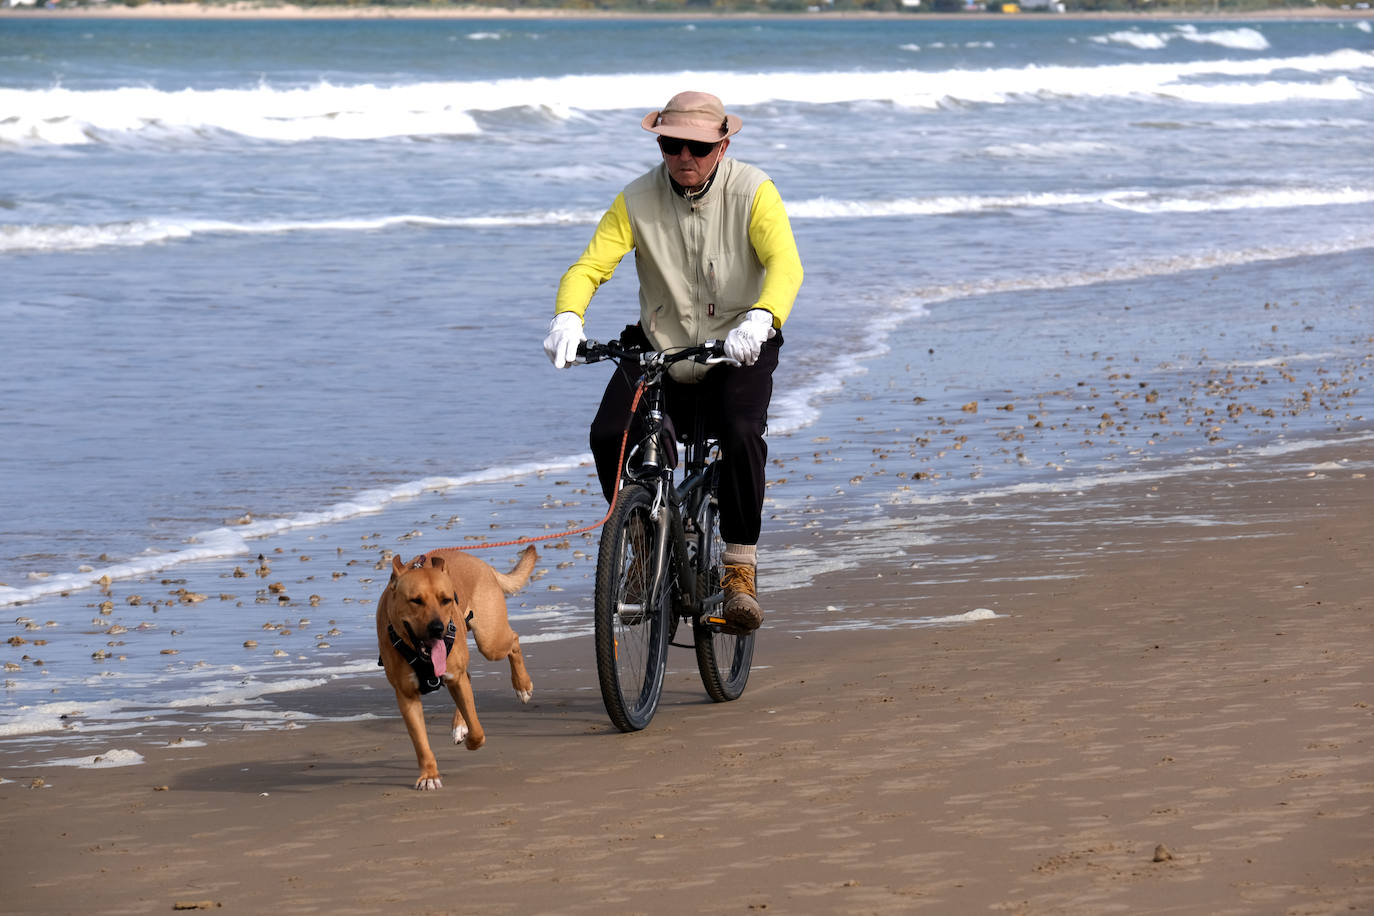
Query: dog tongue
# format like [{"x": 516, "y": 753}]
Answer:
[{"x": 438, "y": 654}]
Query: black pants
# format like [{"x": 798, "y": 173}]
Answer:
[{"x": 733, "y": 400}]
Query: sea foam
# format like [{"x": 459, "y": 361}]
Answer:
[
  {"x": 858, "y": 622},
  {"x": 135, "y": 233},
  {"x": 116, "y": 757},
  {"x": 59, "y": 116},
  {"x": 1242, "y": 39}
]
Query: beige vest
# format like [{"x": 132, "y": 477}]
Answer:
[{"x": 698, "y": 273}]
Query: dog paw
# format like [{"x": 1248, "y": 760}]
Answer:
[
  {"x": 475, "y": 741},
  {"x": 428, "y": 783},
  {"x": 459, "y": 734},
  {"x": 525, "y": 695}
]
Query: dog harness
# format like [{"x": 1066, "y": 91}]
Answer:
[{"x": 424, "y": 671}]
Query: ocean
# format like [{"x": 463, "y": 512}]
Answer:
[{"x": 272, "y": 295}]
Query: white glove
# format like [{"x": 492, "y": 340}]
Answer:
[
  {"x": 565, "y": 333},
  {"x": 745, "y": 341}
]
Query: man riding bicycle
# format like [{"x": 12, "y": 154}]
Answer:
[{"x": 716, "y": 258}]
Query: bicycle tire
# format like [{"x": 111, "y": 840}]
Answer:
[
  {"x": 723, "y": 659},
  {"x": 631, "y": 636}
]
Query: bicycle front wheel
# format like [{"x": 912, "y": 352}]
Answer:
[
  {"x": 631, "y": 612},
  {"x": 723, "y": 658}
]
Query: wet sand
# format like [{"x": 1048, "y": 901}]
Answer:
[{"x": 1167, "y": 717}]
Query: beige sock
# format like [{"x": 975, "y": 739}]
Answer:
[{"x": 740, "y": 555}]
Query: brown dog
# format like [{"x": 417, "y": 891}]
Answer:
[{"x": 422, "y": 621}]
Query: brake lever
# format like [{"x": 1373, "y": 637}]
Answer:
[
  {"x": 715, "y": 355},
  {"x": 585, "y": 354}
]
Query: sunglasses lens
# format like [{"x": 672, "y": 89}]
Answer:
[{"x": 672, "y": 146}]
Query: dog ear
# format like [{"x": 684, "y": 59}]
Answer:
[
  {"x": 398, "y": 566},
  {"x": 437, "y": 563}
]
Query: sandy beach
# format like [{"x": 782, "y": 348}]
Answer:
[{"x": 1164, "y": 718}]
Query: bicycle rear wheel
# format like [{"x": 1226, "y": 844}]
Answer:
[
  {"x": 723, "y": 658},
  {"x": 631, "y": 614}
]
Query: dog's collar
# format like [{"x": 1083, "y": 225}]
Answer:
[{"x": 424, "y": 671}]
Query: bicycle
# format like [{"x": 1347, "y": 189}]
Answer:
[{"x": 659, "y": 559}]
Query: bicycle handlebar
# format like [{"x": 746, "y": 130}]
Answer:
[{"x": 592, "y": 351}]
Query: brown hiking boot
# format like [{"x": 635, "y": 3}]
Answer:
[{"x": 740, "y": 609}]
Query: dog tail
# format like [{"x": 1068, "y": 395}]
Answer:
[{"x": 515, "y": 580}]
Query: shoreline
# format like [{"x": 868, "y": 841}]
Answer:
[
  {"x": 902, "y": 486},
  {"x": 242, "y": 10},
  {"x": 1161, "y": 712}
]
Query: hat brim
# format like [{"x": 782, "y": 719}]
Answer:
[{"x": 690, "y": 131}]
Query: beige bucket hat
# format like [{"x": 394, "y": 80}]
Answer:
[{"x": 693, "y": 116}]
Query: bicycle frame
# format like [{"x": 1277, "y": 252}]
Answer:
[{"x": 673, "y": 504}]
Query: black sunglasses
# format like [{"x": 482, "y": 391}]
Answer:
[{"x": 672, "y": 146}]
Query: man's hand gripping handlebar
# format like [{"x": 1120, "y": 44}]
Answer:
[{"x": 711, "y": 352}]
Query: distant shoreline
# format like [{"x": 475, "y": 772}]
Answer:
[{"x": 250, "y": 10}]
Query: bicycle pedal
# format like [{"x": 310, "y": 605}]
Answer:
[{"x": 721, "y": 625}]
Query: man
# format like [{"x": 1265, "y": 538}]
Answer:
[{"x": 716, "y": 259}]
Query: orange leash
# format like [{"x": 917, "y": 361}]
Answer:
[{"x": 624, "y": 440}]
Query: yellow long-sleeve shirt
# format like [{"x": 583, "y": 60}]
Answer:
[{"x": 770, "y": 234}]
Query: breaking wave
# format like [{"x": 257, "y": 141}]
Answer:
[
  {"x": 133, "y": 233},
  {"x": 59, "y": 116}
]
